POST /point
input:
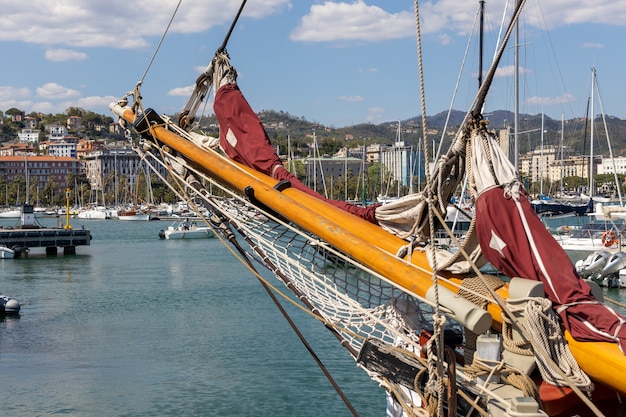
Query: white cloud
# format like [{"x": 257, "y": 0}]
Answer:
[
  {"x": 46, "y": 107},
  {"x": 13, "y": 93},
  {"x": 18, "y": 104},
  {"x": 550, "y": 101},
  {"x": 509, "y": 71},
  {"x": 333, "y": 21},
  {"x": 56, "y": 91},
  {"x": 59, "y": 55},
  {"x": 113, "y": 23},
  {"x": 82, "y": 23},
  {"x": 91, "y": 102},
  {"x": 181, "y": 91}
]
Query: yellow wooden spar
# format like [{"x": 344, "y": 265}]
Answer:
[{"x": 371, "y": 246}]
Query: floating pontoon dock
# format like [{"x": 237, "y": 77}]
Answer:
[{"x": 30, "y": 235}]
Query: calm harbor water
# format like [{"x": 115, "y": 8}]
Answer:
[{"x": 137, "y": 326}]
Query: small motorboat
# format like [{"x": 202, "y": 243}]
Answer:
[
  {"x": 592, "y": 263},
  {"x": 186, "y": 230},
  {"x": 615, "y": 263},
  {"x": 9, "y": 305},
  {"x": 7, "y": 253}
]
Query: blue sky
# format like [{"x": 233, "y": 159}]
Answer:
[{"x": 334, "y": 62}]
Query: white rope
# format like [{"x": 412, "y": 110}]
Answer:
[{"x": 546, "y": 336}]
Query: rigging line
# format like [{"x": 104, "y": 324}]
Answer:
[
  {"x": 484, "y": 89},
  {"x": 456, "y": 89},
  {"x": 232, "y": 26},
  {"x": 608, "y": 140},
  {"x": 204, "y": 81},
  {"x": 160, "y": 42},
  {"x": 439, "y": 320},
  {"x": 306, "y": 344},
  {"x": 139, "y": 104}
]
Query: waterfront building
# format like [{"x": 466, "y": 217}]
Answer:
[
  {"x": 41, "y": 170},
  {"x": 401, "y": 162},
  {"x": 612, "y": 165},
  {"x": 552, "y": 163},
  {"x": 105, "y": 167}
]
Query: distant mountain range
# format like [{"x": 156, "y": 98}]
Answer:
[{"x": 576, "y": 133}]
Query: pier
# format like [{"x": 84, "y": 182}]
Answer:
[{"x": 29, "y": 234}]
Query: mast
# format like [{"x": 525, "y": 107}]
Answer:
[
  {"x": 314, "y": 161},
  {"x": 412, "y": 170},
  {"x": 480, "y": 44},
  {"x": 289, "y": 159},
  {"x": 516, "y": 117},
  {"x": 593, "y": 76},
  {"x": 541, "y": 160},
  {"x": 27, "y": 180},
  {"x": 562, "y": 133},
  {"x": 397, "y": 160},
  {"x": 419, "y": 166},
  {"x": 345, "y": 175},
  {"x": 363, "y": 171}
]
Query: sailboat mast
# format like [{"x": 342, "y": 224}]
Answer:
[
  {"x": 289, "y": 161},
  {"x": 516, "y": 116},
  {"x": 27, "y": 180},
  {"x": 480, "y": 44},
  {"x": 398, "y": 161},
  {"x": 562, "y": 133},
  {"x": 314, "y": 161},
  {"x": 363, "y": 171},
  {"x": 419, "y": 166},
  {"x": 412, "y": 170},
  {"x": 541, "y": 160},
  {"x": 593, "y": 75}
]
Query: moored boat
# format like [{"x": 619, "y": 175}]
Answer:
[
  {"x": 10, "y": 213},
  {"x": 9, "y": 305},
  {"x": 186, "y": 229},
  {"x": 133, "y": 214},
  {"x": 94, "y": 213},
  {"x": 6, "y": 252},
  {"x": 594, "y": 236}
]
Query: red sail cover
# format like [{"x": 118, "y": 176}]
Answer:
[
  {"x": 244, "y": 140},
  {"x": 515, "y": 241}
]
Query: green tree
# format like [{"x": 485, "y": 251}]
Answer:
[
  {"x": 75, "y": 111},
  {"x": 13, "y": 111}
]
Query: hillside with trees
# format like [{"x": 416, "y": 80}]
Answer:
[{"x": 283, "y": 127}]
